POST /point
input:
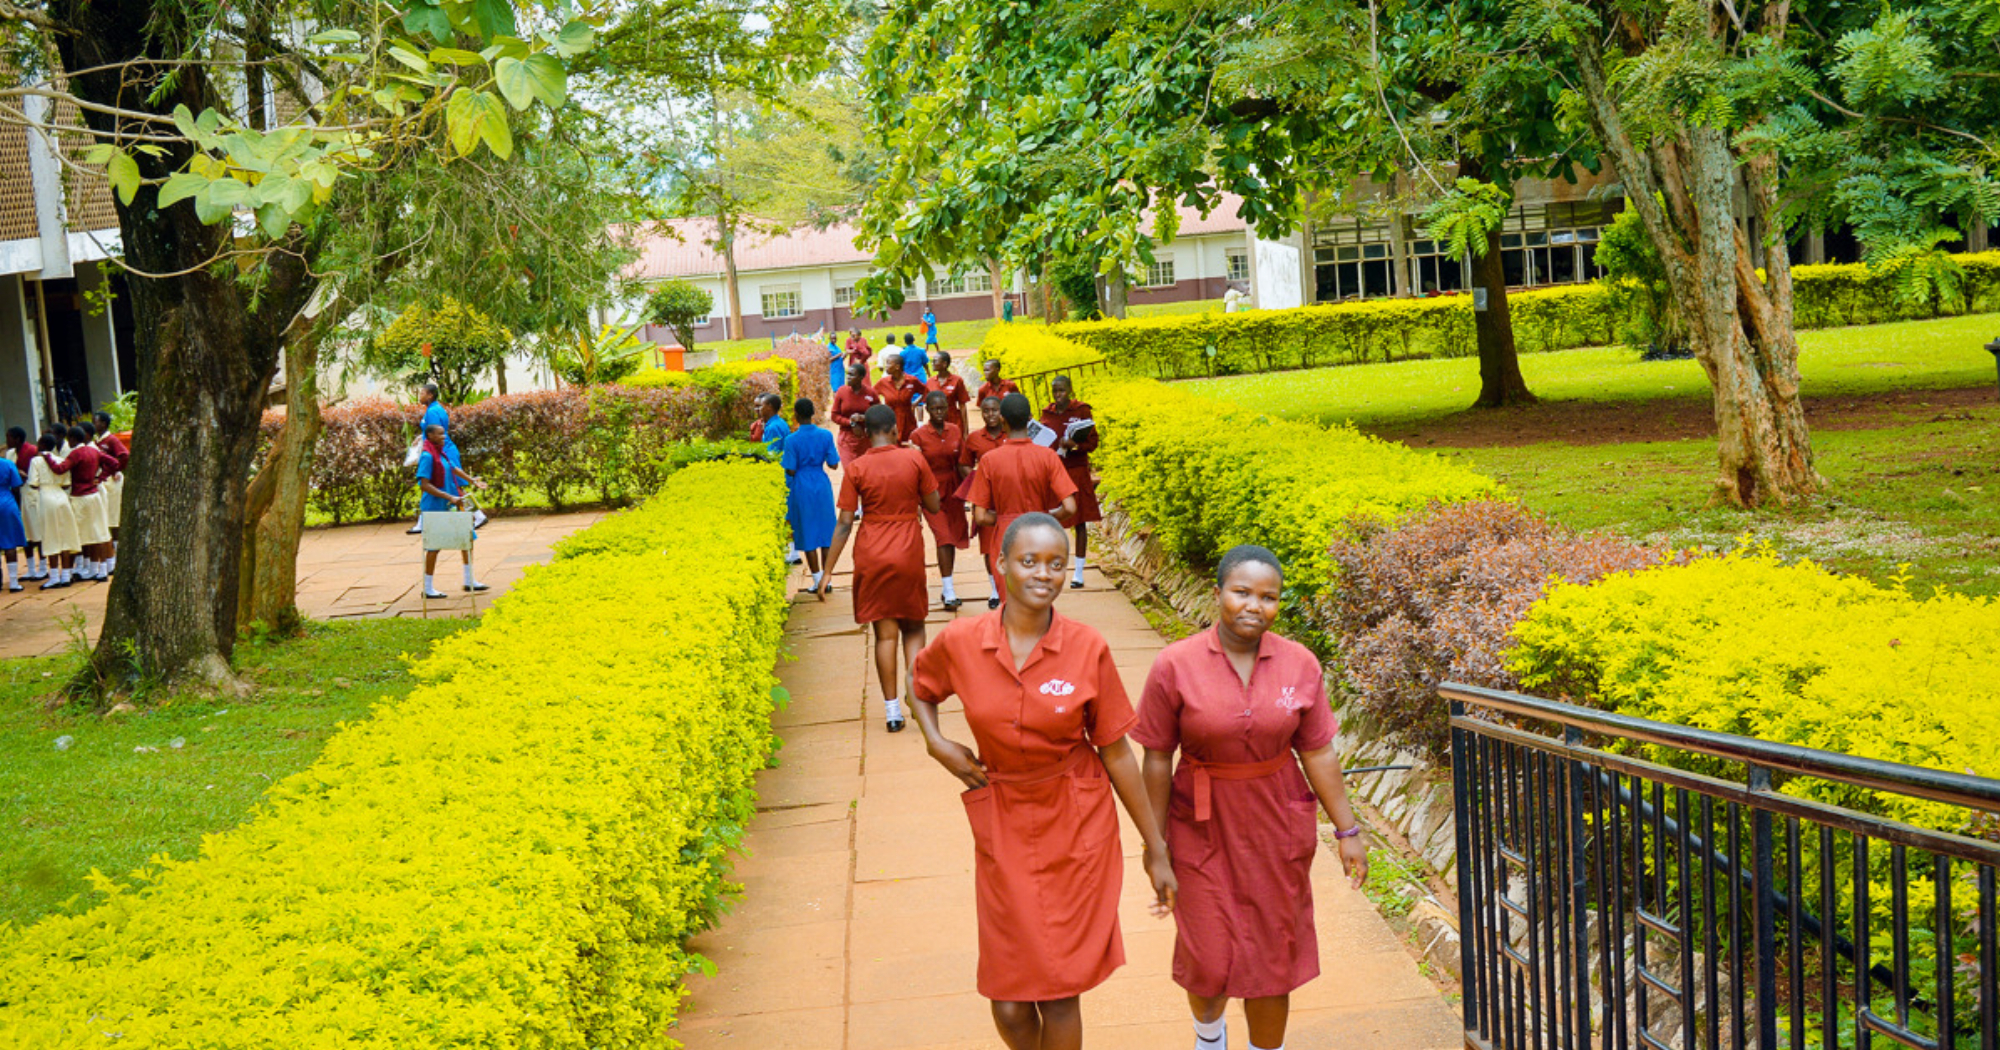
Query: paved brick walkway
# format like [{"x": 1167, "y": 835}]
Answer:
[
  {"x": 344, "y": 572},
  {"x": 856, "y": 928}
]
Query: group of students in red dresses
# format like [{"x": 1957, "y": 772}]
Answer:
[
  {"x": 71, "y": 485},
  {"x": 1230, "y": 830}
]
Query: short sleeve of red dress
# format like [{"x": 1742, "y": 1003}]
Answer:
[
  {"x": 1059, "y": 479},
  {"x": 926, "y": 478},
  {"x": 1159, "y": 726},
  {"x": 1317, "y": 726},
  {"x": 1111, "y": 716},
  {"x": 935, "y": 667},
  {"x": 850, "y": 499}
]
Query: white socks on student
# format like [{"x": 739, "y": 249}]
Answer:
[
  {"x": 992, "y": 587},
  {"x": 429, "y": 587},
  {"x": 950, "y": 593},
  {"x": 818, "y": 578},
  {"x": 13, "y": 579},
  {"x": 468, "y": 575},
  {"x": 1211, "y": 1035},
  {"x": 1079, "y": 572}
]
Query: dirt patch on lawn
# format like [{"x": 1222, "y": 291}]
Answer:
[{"x": 1625, "y": 422}]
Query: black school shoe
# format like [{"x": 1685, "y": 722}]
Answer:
[
  {"x": 475, "y": 588},
  {"x": 993, "y": 602}
]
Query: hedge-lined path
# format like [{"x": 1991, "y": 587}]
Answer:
[
  {"x": 856, "y": 930},
  {"x": 345, "y": 572}
]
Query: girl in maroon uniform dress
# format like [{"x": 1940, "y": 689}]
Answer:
[
  {"x": 1241, "y": 821},
  {"x": 940, "y": 441},
  {"x": 892, "y": 485},
  {"x": 1062, "y": 412}
]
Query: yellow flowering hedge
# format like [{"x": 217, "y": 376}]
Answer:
[
  {"x": 1749, "y": 644},
  {"x": 513, "y": 856}
]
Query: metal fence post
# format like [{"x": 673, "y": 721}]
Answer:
[
  {"x": 1579, "y": 867},
  {"x": 1763, "y": 866},
  {"x": 1461, "y": 807}
]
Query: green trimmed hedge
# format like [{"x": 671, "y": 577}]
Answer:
[
  {"x": 1178, "y": 347},
  {"x": 513, "y": 856}
]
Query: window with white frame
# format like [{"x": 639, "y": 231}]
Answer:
[
  {"x": 843, "y": 295},
  {"x": 783, "y": 302},
  {"x": 953, "y": 285},
  {"x": 1160, "y": 272},
  {"x": 980, "y": 281},
  {"x": 1239, "y": 263}
]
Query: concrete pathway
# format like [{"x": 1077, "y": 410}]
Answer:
[
  {"x": 856, "y": 927},
  {"x": 347, "y": 571}
]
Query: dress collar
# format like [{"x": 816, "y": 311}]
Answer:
[{"x": 1214, "y": 638}]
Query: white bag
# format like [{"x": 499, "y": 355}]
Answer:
[{"x": 415, "y": 453}]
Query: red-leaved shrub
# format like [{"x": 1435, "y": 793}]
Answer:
[
  {"x": 815, "y": 374},
  {"x": 1434, "y": 596},
  {"x": 613, "y": 443}
]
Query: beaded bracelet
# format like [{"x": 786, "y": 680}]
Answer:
[{"x": 1349, "y": 833}]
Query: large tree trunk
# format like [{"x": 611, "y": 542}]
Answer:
[
  {"x": 1117, "y": 292},
  {"x": 1740, "y": 323},
  {"x": 275, "y": 504},
  {"x": 206, "y": 349},
  {"x": 726, "y": 237},
  {"x": 1500, "y": 382},
  {"x": 999, "y": 290}
]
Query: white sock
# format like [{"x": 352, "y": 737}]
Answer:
[
  {"x": 818, "y": 578},
  {"x": 111, "y": 564},
  {"x": 1079, "y": 579},
  {"x": 950, "y": 593},
  {"x": 429, "y": 587},
  {"x": 85, "y": 568},
  {"x": 992, "y": 587},
  {"x": 468, "y": 575},
  {"x": 1210, "y": 1031},
  {"x": 34, "y": 564},
  {"x": 63, "y": 575}
]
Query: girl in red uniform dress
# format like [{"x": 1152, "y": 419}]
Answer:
[
  {"x": 892, "y": 485},
  {"x": 941, "y": 442},
  {"x": 994, "y": 385},
  {"x": 900, "y": 390},
  {"x": 1049, "y": 717},
  {"x": 977, "y": 444},
  {"x": 1058, "y": 416},
  {"x": 945, "y": 380},
  {"x": 1020, "y": 477},
  {"x": 849, "y": 403},
  {"x": 1238, "y": 702}
]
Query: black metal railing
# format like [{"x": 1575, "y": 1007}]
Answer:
[
  {"x": 1608, "y": 899},
  {"x": 1036, "y": 384}
]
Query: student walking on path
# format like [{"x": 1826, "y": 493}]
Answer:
[
  {"x": 442, "y": 481},
  {"x": 890, "y": 485},
  {"x": 900, "y": 391},
  {"x": 808, "y": 493},
  {"x": 945, "y": 380},
  {"x": 995, "y": 386},
  {"x": 1076, "y": 439},
  {"x": 977, "y": 444},
  {"x": 848, "y": 411},
  {"x": 941, "y": 443},
  {"x": 54, "y": 526},
  {"x": 1049, "y": 716},
  {"x": 1020, "y": 477},
  {"x": 85, "y": 467},
  {"x": 1241, "y": 822}
]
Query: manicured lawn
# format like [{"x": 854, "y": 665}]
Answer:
[
  {"x": 1925, "y": 496},
  {"x": 956, "y": 337},
  {"x": 1940, "y": 354},
  {"x": 122, "y": 792}
]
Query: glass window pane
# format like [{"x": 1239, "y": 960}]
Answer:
[
  {"x": 1536, "y": 240},
  {"x": 1562, "y": 265},
  {"x": 1424, "y": 248},
  {"x": 1375, "y": 277},
  {"x": 1510, "y": 240},
  {"x": 1515, "y": 265},
  {"x": 1374, "y": 251},
  {"x": 1347, "y": 254}
]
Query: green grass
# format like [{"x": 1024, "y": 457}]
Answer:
[
  {"x": 1924, "y": 495},
  {"x": 1941, "y": 354},
  {"x": 956, "y": 337},
  {"x": 103, "y": 805}
]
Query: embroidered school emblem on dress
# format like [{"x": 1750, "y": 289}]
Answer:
[
  {"x": 1287, "y": 700},
  {"x": 1057, "y": 687}
]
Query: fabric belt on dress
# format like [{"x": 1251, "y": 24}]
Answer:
[
  {"x": 1077, "y": 757},
  {"x": 1206, "y": 773},
  {"x": 867, "y": 517}
]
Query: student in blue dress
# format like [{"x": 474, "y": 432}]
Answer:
[
  {"x": 770, "y": 409},
  {"x": 836, "y": 368},
  {"x": 916, "y": 363},
  {"x": 808, "y": 492},
  {"x": 435, "y": 414},
  {"x": 443, "y": 482},
  {"x": 13, "y": 537},
  {"x": 930, "y": 329}
]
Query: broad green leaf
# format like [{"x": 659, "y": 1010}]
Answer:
[
  {"x": 99, "y": 154},
  {"x": 516, "y": 84},
  {"x": 493, "y": 128},
  {"x": 494, "y": 18},
  {"x": 575, "y": 38},
  {"x": 124, "y": 173},
  {"x": 224, "y": 193},
  {"x": 511, "y": 47},
  {"x": 184, "y": 123},
  {"x": 180, "y": 187},
  {"x": 335, "y": 36},
  {"x": 428, "y": 21},
  {"x": 457, "y": 56},
  {"x": 273, "y": 220},
  {"x": 550, "y": 82},
  {"x": 410, "y": 59},
  {"x": 461, "y": 119},
  {"x": 293, "y": 196}
]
